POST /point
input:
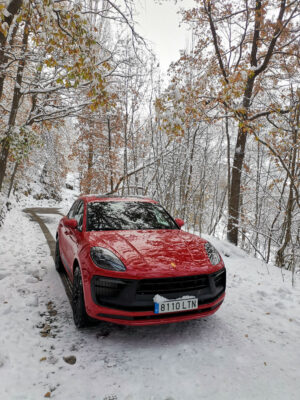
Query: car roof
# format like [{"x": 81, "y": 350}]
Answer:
[{"x": 103, "y": 197}]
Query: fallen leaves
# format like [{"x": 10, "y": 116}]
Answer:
[
  {"x": 47, "y": 327},
  {"x": 51, "y": 310},
  {"x": 46, "y": 331}
]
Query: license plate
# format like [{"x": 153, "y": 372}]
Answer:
[{"x": 175, "y": 305}]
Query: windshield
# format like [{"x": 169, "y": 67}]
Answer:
[{"x": 121, "y": 215}]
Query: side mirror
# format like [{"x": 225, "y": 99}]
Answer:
[
  {"x": 70, "y": 223},
  {"x": 179, "y": 222}
]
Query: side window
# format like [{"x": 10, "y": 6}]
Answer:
[
  {"x": 79, "y": 215},
  {"x": 72, "y": 211}
]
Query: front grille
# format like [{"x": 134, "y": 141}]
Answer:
[
  {"x": 171, "y": 285},
  {"x": 137, "y": 295}
]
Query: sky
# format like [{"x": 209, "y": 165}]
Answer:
[{"x": 159, "y": 24}]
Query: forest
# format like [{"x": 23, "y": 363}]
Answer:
[{"x": 216, "y": 142}]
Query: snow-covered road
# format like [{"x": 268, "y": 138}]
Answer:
[{"x": 248, "y": 350}]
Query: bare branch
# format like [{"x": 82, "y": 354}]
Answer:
[
  {"x": 275, "y": 153},
  {"x": 215, "y": 38}
]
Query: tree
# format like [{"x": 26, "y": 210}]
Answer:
[
  {"x": 242, "y": 45},
  {"x": 49, "y": 54},
  {"x": 109, "y": 137}
]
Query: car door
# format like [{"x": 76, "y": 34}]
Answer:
[
  {"x": 64, "y": 233},
  {"x": 74, "y": 237}
]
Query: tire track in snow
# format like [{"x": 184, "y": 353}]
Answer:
[{"x": 33, "y": 212}]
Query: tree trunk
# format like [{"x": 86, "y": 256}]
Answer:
[
  {"x": 13, "y": 8},
  {"x": 279, "y": 209},
  {"x": 12, "y": 178},
  {"x": 111, "y": 179},
  {"x": 236, "y": 176},
  {"x": 4, "y": 58},
  {"x": 5, "y": 143},
  {"x": 235, "y": 190},
  {"x": 228, "y": 157},
  {"x": 280, "y": 261},
  {"x": 90, "y": 164}
]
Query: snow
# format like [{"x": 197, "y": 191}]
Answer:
[
  {"x": 248, "y": 350},
  {"x": 6, "y": 13},
  {"x": 5, "y": 26},
  {"x": 238, "y": 150},
  {"x": 160, "y": 299}
]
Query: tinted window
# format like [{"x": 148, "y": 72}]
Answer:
[
  {"x": 79, "y": 215},
  {"x": 73, "y": 209},
  {"x": 127, "y": 215}
]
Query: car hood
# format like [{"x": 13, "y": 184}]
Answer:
[{"x": 156, "y": 252}]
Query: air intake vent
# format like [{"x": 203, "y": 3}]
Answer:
[
  {"x": 105, "y": 287},
  {"x": 171, "y": 285}
]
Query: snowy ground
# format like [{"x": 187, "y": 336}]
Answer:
[{"x": 248, "y": 350}]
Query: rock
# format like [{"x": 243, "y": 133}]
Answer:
[{"x": 70, "y": 360}]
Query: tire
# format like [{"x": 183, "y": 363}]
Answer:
[
  {"x": 58, "y": 263},
  {"x": 79, "y": 313}
]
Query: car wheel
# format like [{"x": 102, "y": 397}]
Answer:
[
  {"x": 58, "y": 263},
  {"x": 79, "y": 313}
]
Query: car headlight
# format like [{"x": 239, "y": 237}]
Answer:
[
  {"x": 106, "y": 259},
  {"x": 213, "y": 255}
]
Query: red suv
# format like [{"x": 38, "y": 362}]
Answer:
[{"x": 130, "y": 263}]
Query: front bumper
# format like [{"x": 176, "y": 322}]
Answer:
[{"x": 130, "y": 302}]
